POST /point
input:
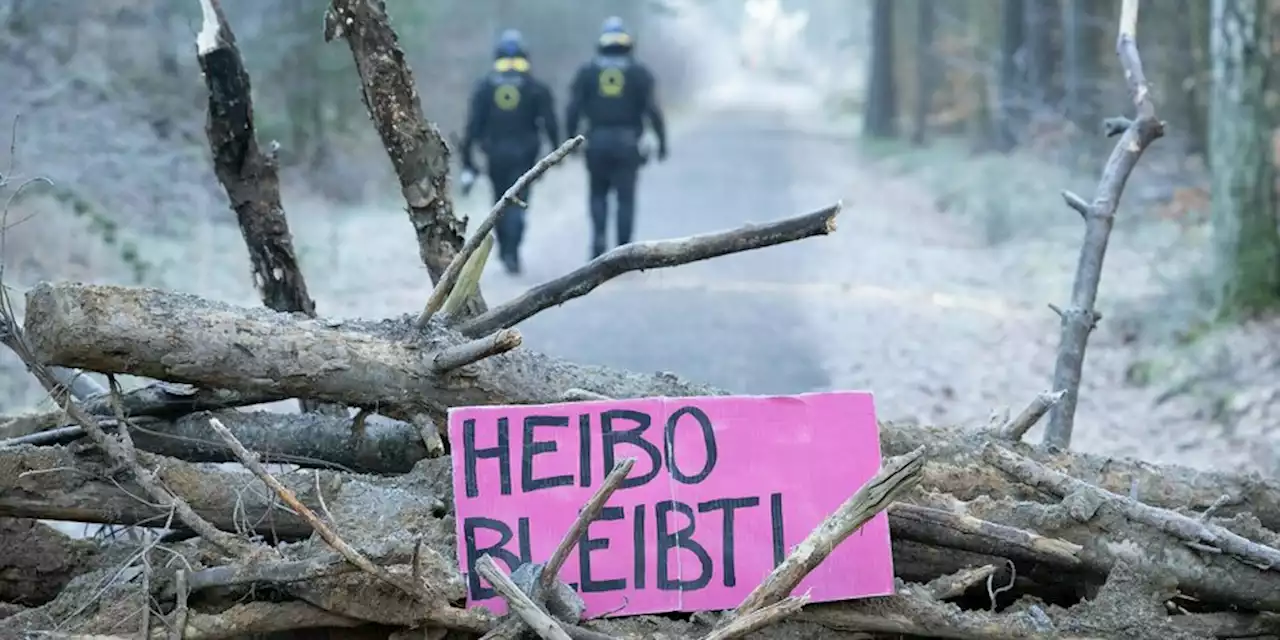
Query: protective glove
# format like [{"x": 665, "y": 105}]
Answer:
[{"x": 466, "y": 180}]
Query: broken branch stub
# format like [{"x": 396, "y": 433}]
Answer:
[
  {"x": 1079, "y": 319},
  {"x": 250, "y": 177}
]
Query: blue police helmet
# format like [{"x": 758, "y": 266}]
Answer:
[
  {"x": 613, "y": 33},
  {"x": 510, "y": 43}
]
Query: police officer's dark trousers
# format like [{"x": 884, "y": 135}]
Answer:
[
  {"x": 613, "y": 165},
  {"x": 504, "y": 171}
]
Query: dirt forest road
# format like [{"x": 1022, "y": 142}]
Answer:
[
  {"x": 869, "y": 307},
  {"x": 902, "y": 300}
]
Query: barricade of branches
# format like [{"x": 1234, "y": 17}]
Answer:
[{"x": 992, "y": 538}]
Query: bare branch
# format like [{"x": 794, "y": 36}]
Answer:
[
  {"x": 1175, "y": 524},
  {"x": 538, "y": 620},
  {"x": 474, "y": 351},
  {"x": 418, "y": 152},
  {"x": 895, "y": 478},
  {"x": 1040, "y": 405},
  {"x": 649, "y": 255},
  {"x": 450, "y": 277},
  {"x": 1078, "y": 320}
]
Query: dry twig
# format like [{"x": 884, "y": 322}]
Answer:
[
  {"x": 1040, "y": 405},
  {"x": 439, "y": 610},
  {"x": 759, "y": 619},
  {"x": 116, "y": 450},
  {"x": 954, "y": 585},
  {"x": 450, "y": 276},
  {"x": 1080, "y": 318},
  {"x": 640, "y": 256}
]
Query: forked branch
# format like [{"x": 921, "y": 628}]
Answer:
[{"x": 1079, "y": 319}]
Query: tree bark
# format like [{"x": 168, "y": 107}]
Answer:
[
  {"x": 416, "y": 148},
  {"x": 1042, "y": 52},
  {"x": 881, "y": 117},
  {"x": 1246, "y": 242},
  {"x": 184, "y": 338},
  {"x": 250, "y": 177},
  {"x": 1012, "y": 108}
]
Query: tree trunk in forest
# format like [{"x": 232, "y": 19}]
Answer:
[
  {"x": 1042, "y": 17},
  {"x": 1187, "y": 86},
  {"x": 1245, "y": 239},
  {"x": 926, "y": 68},
  {"x": 881, "y": 117},
  {"x": 1012, "y": 106},
  {"x": 1080, "y": 39}
]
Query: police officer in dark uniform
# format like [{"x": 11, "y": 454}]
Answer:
[
  {"x": 509, "y": 109},
  {"x": 615, "y": 93}
]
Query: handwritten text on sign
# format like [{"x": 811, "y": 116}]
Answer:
[{"x": 722, "y": 488}]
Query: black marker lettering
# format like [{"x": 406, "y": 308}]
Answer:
[
  {"x": 728, "y": 505},
  {"x": 779, "y": 542},
  {"x": 470, "y": 455},
  {"x": 708, "y": 440},
  {"x": 587, "y": 544},
  {"x": 584, "y": 450},
  {"x": 497, "y": 550},
  {"x": 635, "y": 436},
  {"x": 682, "y": 539},
  {"x": 532, "y": 448},
  {"x": 639, "y": 543}
]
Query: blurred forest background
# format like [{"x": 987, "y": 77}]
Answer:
[{"x": 981, "y": 110}]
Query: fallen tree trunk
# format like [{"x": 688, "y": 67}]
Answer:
[
  {"x": 55, "y": 483},
  {"x": 363, "y": 445},
  {"x": 184, "y": 338}
]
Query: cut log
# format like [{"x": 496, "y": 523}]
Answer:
[{"x": 379, "y": 446}]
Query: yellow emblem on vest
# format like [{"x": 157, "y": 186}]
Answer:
[
  {"x": 611, "y": 83},
  {"x": 506, "y": 96}
]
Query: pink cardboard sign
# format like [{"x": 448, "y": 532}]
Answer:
[{"x": 722, "y": 488}]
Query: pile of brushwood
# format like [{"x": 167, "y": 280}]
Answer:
[{"x": 992, "y": 538}]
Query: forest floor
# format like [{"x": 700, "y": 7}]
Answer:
[{"x": 939, "y": 309}]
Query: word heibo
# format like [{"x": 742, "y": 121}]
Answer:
[{"x": 722, "y": 488}]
